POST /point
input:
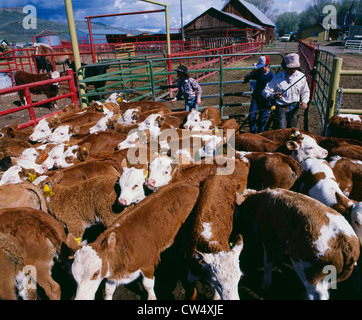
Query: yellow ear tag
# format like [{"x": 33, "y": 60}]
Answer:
[
  {"x": 231, "y": 244},
  {"x": 84, "y": 149},
  {"x": 272, "y": 108},
  {"x": 48, "y": 192},
  {"x": 119, "y": 100},
  {"x": 216, "y": 131},
  {"x": 32, "y": 177},
  {"x": 147, "y": 174},
  {"x": 119, "y": 116},
  {"x": 78, "y": 240},
  {"x": 293, "y": 135}
]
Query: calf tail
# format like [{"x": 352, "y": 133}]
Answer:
[{"x": 350, "y": 250}]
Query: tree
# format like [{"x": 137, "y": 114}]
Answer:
[{"x": 287, "y": 22}]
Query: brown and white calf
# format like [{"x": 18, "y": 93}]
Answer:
[
  {"x": 212, "y": 256},
  {"x": 132, "y": 245},
  {"x": 271, "y": 170},
  {"x": 42, "y": 238},
  {"x": 313, "y": 235},
  {"x": 346, "y": 126},
  {"x": 303, "y": 146},
  {"x": 50, "y": 90},
  {"x": 319, "y": 182},
  {"x": 253, "y": 142},
  {"x": 348, "y": 173}
]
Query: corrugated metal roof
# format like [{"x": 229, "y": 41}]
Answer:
[{"x": 257, "y": 13}]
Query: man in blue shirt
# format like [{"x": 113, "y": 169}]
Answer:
[
  {"x": 189, "y": 88},
  {"x": 258, "y": 103}
]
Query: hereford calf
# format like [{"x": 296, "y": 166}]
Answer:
[
  {"x": 314, "y": 236},
  {"x": 22, "y": 195},
  {"x": 319, "y": 182},
  {"x": 157, "y": 220},
  {"x": 348, "y": 174},
  {"x": 347, "y": 148},
  {"x": 303, "y": 146},
  {"x": 346, "y": 126},
  {"x": 212, "y": 255},
  {"x": 12, "y": 264},
  {"x": 81, "y": 205},
  {"x": 50, "y": 90},
  {"x": 42, "y": 238},
  {"x": 271, "y": 170},
  {"x": 252, "y": 142}
]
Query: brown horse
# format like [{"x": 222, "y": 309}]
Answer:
[{"x": 41, "y": 48}]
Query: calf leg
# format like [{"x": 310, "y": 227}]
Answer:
[
  {"x": 149, "y": 284},
  {"x": 269, "y": 258},
  {"x": 109, "y": 290},
  {"x": 317, "y": 291},
  {"x": 45, "y": 280}
]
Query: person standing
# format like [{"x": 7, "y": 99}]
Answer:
[
  {"x": 189, "y": 88},
  {"x": 289, "y": 102},
  {"x": 259, "y": 106}
]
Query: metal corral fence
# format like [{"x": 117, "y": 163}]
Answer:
[
  {"x": 326, "y": 92},
  {"x": 67, "y": 81},
  {"x": 149, "y": 78}
]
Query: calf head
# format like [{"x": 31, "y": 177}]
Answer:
[
  {"x": 152, "y": 123},
  {"x": 88, "y": 271},
  {"x": 101, "y": 125},
  {"x": 304, "y": 147},
  {"x": 130, "y": 116},
  {"x": 131, "y": 183},
  {"x": 203, "y": 125},
  {"x": 192, "y": 119},
  {"x": 62, "y": 134},
  {"x": 223, "y": 269},
  {"x": 356, "y": 220},
  {"x": 41, "y": 131},
  {"x": 160, "y": 172}
]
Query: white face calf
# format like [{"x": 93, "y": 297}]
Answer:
[
  {"x": 224, "y": 271},
  {"x": 203, "y": 125},
  {"x": 11, "y": 175},
  {"x": 192, "y": 119},
  {"x": 101, "y": 125},
  {"x": 130, "y": 116},
  {"x": 41, "y": 132},
  {"x": 61, "y": 134},
  {"x": 210, "y": 147},
  {"x": 87, "y": 272},
  {"x": 57, "y": 157},
  {"x": 115, "y": 98},
  {"x": 129, "y": 142},
  {"x": 152, "y": 124},
  {"x": 160, "y": 170},
  {"x": 29, "y": 154},
  {"x": 131, "y": 183},
  {"x": 306, "y": 148}
]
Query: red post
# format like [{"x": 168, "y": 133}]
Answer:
[
  {"x": 91, "y": 40},
  {"x": 72, "y": 87},
  {"x": 29, "y": 102}
]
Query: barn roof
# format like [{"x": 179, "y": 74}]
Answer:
[
  {"x": 256, "y": 12},
  {"x": 227, "y": 16}
]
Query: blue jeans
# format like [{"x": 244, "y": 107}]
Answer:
[
  {"x": 263, "y": 111},
  {"x": 190, "y": 103},
  {"x": 285, "y": 117}
]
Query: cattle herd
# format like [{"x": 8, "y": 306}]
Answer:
[{"x": 185, "y": 183}]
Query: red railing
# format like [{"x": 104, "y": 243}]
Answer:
[
  {"x": 30, "y": 105},
  {"x": 308, "y": 58}
]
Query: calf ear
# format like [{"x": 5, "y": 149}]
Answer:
[
  {"x": 292, "y": 145},
  {"x": 112, "y": 240},
  {"x": 75, "y": 130}
]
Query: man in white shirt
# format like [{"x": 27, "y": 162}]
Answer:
[{"x": 287, "y": 103}]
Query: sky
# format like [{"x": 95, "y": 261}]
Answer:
[{"x": 55, "y": 10}]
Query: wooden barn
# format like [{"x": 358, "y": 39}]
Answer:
[{"x": 238, "y": 21}]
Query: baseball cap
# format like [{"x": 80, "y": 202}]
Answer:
[
  {"x": 292, "y": 60},
  {"x": 263, "y": 61}
]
